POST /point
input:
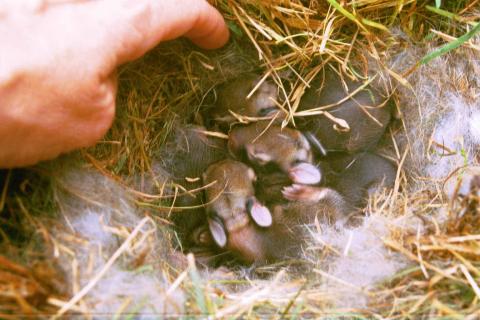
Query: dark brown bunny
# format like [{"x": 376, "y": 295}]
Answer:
[
  {"x": 367, "y": 113},
  {"x": 287, "y": 235},
  {"x": 194, "y": 152},
  {"x": 358, "y": 176},
  {"x": 232, "y": 95},
  {"x": 269, "y": 186}
]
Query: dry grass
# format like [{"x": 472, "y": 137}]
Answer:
[
  {"x": 445, "y": 276},
  {"x": 285, "y": 40}
]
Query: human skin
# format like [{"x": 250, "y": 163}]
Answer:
[{"x": 58, "y": 60}]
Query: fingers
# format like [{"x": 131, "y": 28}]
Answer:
[
  {"x": 209, "y": 31},
  {"x": 140, "y": 25},
  {"x": 45, "y": 129},
  {"x": 65, "y": 96}
]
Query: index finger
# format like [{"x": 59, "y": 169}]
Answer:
[{"x": 140, "y": 25}]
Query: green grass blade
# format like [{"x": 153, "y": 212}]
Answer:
[
  {"x": 442, "y": 12},
  {"x": 375, "y": 25},
  {"x": 346, "y": 13},
  {"x": 449, "y": 15},
  {"x": 450, "y": 46},
  {"x": 197, "y": 287}
]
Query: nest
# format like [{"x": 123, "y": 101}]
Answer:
[{"x": 93, "y": 228}]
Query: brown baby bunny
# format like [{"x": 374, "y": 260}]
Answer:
[
  {"x": 232, "y": 209},
  {"x": 287, "y": 235},
  {"x": 232, "y": 96},
  {"x": 262, "y": 144}
]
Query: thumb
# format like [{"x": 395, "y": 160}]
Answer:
[{"x": 140, "y": 25}]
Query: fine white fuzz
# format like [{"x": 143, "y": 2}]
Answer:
[{"x": 99, "y": 217}]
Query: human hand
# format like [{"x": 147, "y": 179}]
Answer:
[{"x": 58, "y": 62}]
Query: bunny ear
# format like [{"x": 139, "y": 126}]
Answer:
[
  {"x": 305, "y": 173},
  {"x": 218, "y": 232},
  {"x": 316, "y": 143},
  {"x": 259, "y": 213}
]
